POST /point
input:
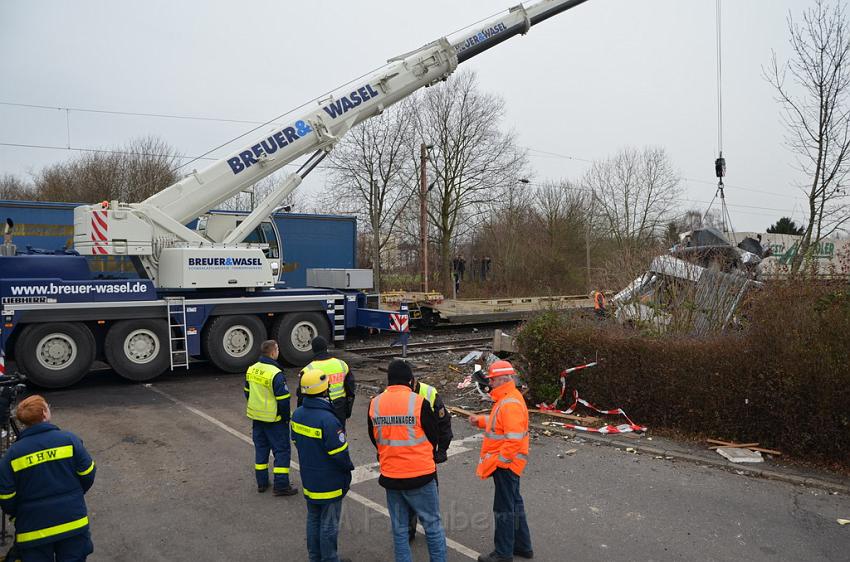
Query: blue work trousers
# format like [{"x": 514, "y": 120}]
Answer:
[
  {"x": 425, "y": 501},
  {"x": 272, "y": 436},
  {"x": 322, "y": 530},
  {"x": 72, "y": 549},
  {"x": 512, "y": 534}
]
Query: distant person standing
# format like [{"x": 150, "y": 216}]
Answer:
[
  {"x": 403, "y": 428},
  {"x": 43, "y": 478},
  {"x": 325, "y": 464},
  {"x": 268, "y": 407},
  {"x": 504, "y": 454},
  {"x": 341, "y": 384},
  {"x": 598, "y": 303}
]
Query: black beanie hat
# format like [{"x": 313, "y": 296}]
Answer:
[
  {"x": 319, "y": 344},
  {"x": 399, "y": 372}
]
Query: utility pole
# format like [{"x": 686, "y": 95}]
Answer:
[
  {"x": 423, "y": 214},
  {"x": 587, "y": 238}
]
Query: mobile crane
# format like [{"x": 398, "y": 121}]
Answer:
[{"x": 210, "y": 293}]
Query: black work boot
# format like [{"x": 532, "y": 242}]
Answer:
[
  {"x": 493, "y": 557},
  {"x": 524, "y": 553},
  {"x": 288, "y": 491},
  {"x": 262, "y": 488}
]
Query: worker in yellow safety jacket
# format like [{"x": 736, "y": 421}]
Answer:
[
  {"x": 268, "y": 407},
  {"x": 504, "y": 454},
  {"x": 341, "y": 384}
]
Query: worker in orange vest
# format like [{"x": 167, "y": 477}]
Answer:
[
  {"x": 404, "y": 429},
  {"x": 598, "y": 303},
  {"x": 504, "y": 454}
]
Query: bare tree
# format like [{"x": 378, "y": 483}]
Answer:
[
  {"x": 562, "y": 219},
  {"x": 813, "y": 88},
  {"x": 12, "y": 187},
  {"x": 372, "y": 174},
  {"x": 634, "y": 194},
  {"x": 130, "y": 174},
  {"x": 474, "y": 162}
]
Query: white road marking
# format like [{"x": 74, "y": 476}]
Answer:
[{"x": 361, "y": 473}]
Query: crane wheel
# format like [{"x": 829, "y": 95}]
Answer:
[
  {"x": 294, "y": 333},
  {"x": 232, "y": 343},
  {"x": 55, "y": 355},
  {"x": 138, "y": 349}
]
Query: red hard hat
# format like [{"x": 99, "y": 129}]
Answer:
[{"x": 500, "y": 369}]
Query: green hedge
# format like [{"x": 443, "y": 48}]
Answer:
[{"x": 782, "y": 380}]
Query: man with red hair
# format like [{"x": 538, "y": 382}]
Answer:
[{"x": 43, "y": 478}]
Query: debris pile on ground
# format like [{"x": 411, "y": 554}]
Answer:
[{"x": 741, "y": 452}]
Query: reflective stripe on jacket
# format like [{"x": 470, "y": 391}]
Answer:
[
  {"x": 505, "y": 433},
  {"x": 259, "y": 385},
  {"x": 322, "y": 451},
  {"x": 428, "y": 392},
  {"x": 43, "y": 477},
  {"x": 336, "y": 369},
  {"x": 403, "y": 449}
]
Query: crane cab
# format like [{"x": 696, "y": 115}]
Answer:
[{"x": 217, "y": 225}]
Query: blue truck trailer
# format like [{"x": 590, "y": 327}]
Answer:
[{"x": 61, "y": 311}]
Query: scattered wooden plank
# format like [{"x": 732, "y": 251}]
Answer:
[
  {"x": 584, "y": 420},
  {"x": 460, "y": 411},
  {"x": 750, "y": 446},
  {"x": 768, "y": 451},
  {"x": 736, "y": 446}
]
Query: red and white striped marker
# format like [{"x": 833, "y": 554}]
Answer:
[
  {"x": 99, "y": 231},
  {"x": 605, "y": 430},
  {"x": 400, "y": 322}
]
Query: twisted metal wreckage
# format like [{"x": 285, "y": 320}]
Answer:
[{"x": 704, "y": 275}]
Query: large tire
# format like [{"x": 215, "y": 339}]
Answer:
[
  {"x": 232, "y": 343},
  {"x": 294, "y": 333},
  {"x": 138, "y": 350},
  {"x": 55, "y": 355}
]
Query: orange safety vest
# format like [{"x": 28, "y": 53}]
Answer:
[
  {"x": 403, "y": 449},
  {"x": 505, "y": 433},
  {"x": 598, "y": 300}
]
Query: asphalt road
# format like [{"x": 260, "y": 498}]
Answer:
[{"x": 175, "y": 482}]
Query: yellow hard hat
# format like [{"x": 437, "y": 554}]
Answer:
[{"x": 313, "y": 381}]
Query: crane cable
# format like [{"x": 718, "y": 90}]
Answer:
[{"x": 720, "y": 162}]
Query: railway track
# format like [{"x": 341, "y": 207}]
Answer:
[{"x": 423, "y": 348}]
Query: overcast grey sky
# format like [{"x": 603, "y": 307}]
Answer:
[{"x": 605, "y": 75}]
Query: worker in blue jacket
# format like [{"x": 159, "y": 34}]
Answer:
[
  {"x": 268, "y": 405},
  {"x": 325, "y": 464},
  {"x": 43, "y": 477}
]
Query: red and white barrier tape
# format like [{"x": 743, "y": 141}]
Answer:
[{"x": 607, "y": 429}]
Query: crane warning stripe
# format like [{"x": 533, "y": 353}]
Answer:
[{"x": 399, "y": 322}]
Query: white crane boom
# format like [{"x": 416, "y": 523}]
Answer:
[{"x": 153, "y": 229}]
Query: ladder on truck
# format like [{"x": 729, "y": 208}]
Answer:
[{"x": 179, "y": 354}]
